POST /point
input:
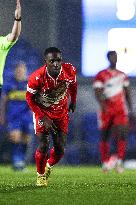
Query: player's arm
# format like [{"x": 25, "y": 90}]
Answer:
[
  {"x": 132, "y": 118},
  {"x": 73, "y": 91},
  {"x": 127, "y": 93},
  {"x": 99, "y": 91},
  {"x": 100, "y": 97},
  {"x": 32, "y": 89},
  {"x": 16, "y": 29},
  {"x": 128, "y": 98}
]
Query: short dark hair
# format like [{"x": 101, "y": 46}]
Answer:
[
  {"x": 110, "y": 53},
  {"x": 52, "y": 50}
]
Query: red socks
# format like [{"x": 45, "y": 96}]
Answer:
[
  {"x": 104, "y": 151},
  {"x": 121, "y": 149},
  {"x": 40, "y": 160},
  {"x": 54, "y": 158}
]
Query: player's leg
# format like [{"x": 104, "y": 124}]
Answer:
[
  {"x": 41, "y": 153},
  {"x": 19, "y": 133},
  {"x": 18, "y": 149},
  {"x": 121, "y": 127},
  {"x": 104, "y": 145},
  {"x": 25, "y": 141},
  {"x": 59, "y": 141},
  {"x": 57, "y": 151},
  {"x": 41, "y": 156},
  {"x": 41, "y": 159},
  {"x": 105, "y": 149},
  {"x": 17, "y": 145},
  {"x": 28, "y": 134},
  {"x": 122, "y": 133}
]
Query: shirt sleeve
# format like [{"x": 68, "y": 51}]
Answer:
[
  {"x": 32, "y": 89},
  {"x": 73, "y": 86},
  {"x": 98, "y": 81},
  {"x": 5, "y": 44}
]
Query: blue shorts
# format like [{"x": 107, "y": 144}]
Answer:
[{"x": 22, "y": 122}]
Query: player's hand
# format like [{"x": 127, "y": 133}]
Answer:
[
  {"x": 72, "y": 107},
  {"x": 18, "y": 10}
]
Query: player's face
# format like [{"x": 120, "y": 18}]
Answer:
[
  {"x": 53, "y": 62},
  {"x": 113, "y": 58},
  {"x": 20, "y": 72}
]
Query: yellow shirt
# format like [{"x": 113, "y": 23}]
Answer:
[{"x": 5, "y": 46}]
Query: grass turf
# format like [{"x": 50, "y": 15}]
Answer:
[{"x": 68, "y": 186}]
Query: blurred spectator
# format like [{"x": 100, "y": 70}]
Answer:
[
  {"x": 16, "y": 114},
  {"x": 112, "y": 93}
]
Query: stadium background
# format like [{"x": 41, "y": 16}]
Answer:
[{"x": 58, "y": 23}]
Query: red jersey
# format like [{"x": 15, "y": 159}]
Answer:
[
  {"x": 113, "y": 83},
  {"x": 48, "y": 95}
]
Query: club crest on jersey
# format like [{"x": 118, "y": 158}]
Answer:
[{"x": 40, "y": 123}]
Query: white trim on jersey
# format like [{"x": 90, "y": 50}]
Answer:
[
  {"x": 98, "y": 84},
  {"x": 34, "y": 121},
  {"x": 30, "y": 90}
]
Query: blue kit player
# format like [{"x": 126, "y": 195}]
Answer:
[{"x": 16, "y": 114}]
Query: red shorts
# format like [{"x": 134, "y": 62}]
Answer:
[
  {"x": 61, "y": 124},
  {"x": 107, "y": 119}
]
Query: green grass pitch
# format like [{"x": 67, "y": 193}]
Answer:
[{"x": 68, "y": 186}]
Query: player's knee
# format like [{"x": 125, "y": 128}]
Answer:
[
  {"x": 15, "y": 137},
  {"x": 43, "y": 147},
  {"x": 122, "y": 133},
  {"x": 59, "y": 150},
  {"x": 43, "y": 143},
  {"x": 105, "y": 135},
  {"x": 122, "y": 136},
  {"x": 62, "y": 142},
  {"x": 26, "y": 139}
]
